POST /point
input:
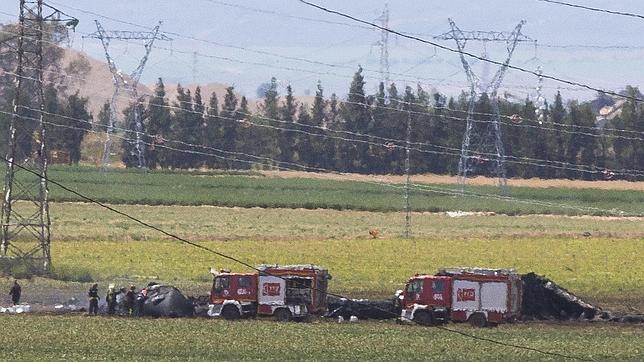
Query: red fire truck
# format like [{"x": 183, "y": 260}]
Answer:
[
  {"x": 479, "y": 296},
  {"x": 285, "y": 292}
]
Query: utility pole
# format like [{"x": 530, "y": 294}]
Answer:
[
  {"x": 407, "y": 175},
  {"x": 25, "y": 207},
  {"x": 120, "y": 83},
  {"x": 482, "y": 146}
]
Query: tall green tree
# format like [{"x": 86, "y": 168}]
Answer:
[
  {"x": 305, "y": 143},
  {"x": 287, "y": 116},
  {"x": 558, "y": 117},
  {"x": 270, "y": 107},
  {"x": 356, "y": 115},
  {"x": 186, "y": 129},
  {"x": 319, "y": 117},
  {"x": 80, "y": 119},
  {"x": 159, "y": 128},
  {"x": 229, "y": 116},
  {"x": 629, "y": 153},
  {"x": 213, "y": 131}
]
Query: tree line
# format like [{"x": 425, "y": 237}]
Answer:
[{"x": 365, "y": 133}]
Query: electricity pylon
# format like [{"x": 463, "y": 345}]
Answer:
[
  {"x": 481, "y": 146},
  {"x": 25, "y": 207},
  {"x": 121, "y": 84},
  {"x": 383, "y": 43}
]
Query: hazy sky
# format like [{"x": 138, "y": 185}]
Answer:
[{"x": 292, "y": 29}]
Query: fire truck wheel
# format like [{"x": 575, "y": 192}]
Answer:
[
  {"x": 283, "y": 315},
  {"x": 230, "y": 312},
  {"x": 478, "y": 320},
  {"x": 424, "y": 318}
]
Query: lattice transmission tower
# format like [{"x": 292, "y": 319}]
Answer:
[
  {"x": 383, "y": 43},
  {"x": 121, "y": 84},
  {"x": 25, "y": 206},
  {"x": 483, "y": 145}
]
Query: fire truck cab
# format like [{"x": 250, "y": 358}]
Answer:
[
  {"x": 285, "y": 292},
  {"x": 479, "y": 296}
]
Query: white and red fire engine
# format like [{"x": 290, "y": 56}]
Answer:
[
  {"x": 285, "y": 292},
  {"x": 479, "y": 296}
]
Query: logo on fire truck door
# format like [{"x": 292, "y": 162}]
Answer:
[
  {"x": 271, "y": 289},
  {"x": 465, "y": 294}
]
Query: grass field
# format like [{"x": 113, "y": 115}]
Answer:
[
  {"x": 91, "y": 243},
  {"x": 75, "y": 338},
  {"x": 597, "y": 269},
  {"x": 325, "y": 222},
  {"x": 82, "y": 221},
  {"x": 123, "y": 186}
]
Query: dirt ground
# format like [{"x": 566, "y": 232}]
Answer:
[{"x": 446, "y": 179}]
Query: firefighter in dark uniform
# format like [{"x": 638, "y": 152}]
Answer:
[
  {"x": 140, "y": 302},
  {"x": 93, "y": 299},
  {"x": 130, "y": 299},
  {"x": 15, "y": 292}
]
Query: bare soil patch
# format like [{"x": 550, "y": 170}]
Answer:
[{"x": 478, "y": 181}]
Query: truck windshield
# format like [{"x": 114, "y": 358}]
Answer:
[
  {"x": 438, "y": 286},
  {"x": 221, "y": 283},
  {"x": 415, "y": 286}
]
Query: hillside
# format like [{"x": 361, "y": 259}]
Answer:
[{"x": 96, "y": 84}]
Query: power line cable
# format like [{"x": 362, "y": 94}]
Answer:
[
  {"x": 340, "y": 65},
  {"x": 370, "y": 24},
  {"x": 513, "y": 156},
  {"x": 613, "y": 12},
  {"x": 523, "y": 70}
]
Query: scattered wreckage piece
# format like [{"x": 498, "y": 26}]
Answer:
[
  {"x": 345, "y": 309},
  {"x": 16, "y": 309},
  {"x": 545, "y": 300},
  {"x": 285, "y": 292},
  {"x": 71, "y": 305},
  {"x": 167, "y": 301}
]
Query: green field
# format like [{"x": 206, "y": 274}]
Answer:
[
  {"x": 93, "y": 244},
  {"x": 124, "y": 186},
  {"x": 75, "y": 338},
  {"x": 83, "y": 221},
  {"x": 597, "y": 269},
  {"x": 326, "y": 223}
]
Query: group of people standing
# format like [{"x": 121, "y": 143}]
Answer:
[{"x": 131, "y": 301}]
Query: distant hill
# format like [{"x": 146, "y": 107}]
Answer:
[{"x": 97, "y": 85}]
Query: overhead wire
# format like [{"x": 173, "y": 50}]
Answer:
[
  {"x": 514, "y": 117},
  {"x": 334, "y": 65},
  {"x": 612, "y": 12},
  {"x": 401, "y": 101},
  {"x": 468, "y": 54},
  {"x": 370, "y": 24}
]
